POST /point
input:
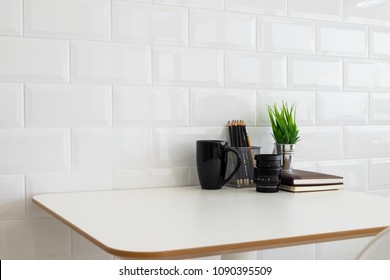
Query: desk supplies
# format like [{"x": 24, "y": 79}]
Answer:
[
  {"x": 310, "y": 188},
  {"x": 307, "y": 181},
  {"x": 245, "y": 175},
  {"x": 238, "y": 134},
  {"x": 303, "y": 177},
  {"x": 239, "y": 140},
  {"x": 267, "y": 172},
  {"x": 211, "y": 163}
]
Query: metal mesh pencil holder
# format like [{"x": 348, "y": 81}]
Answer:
[{"x": 245, "y": 176}]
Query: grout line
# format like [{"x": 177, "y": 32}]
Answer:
[
  {"x": 22, "y": 19},
  {"x": 315, "y": 39},
  {"x": 110, "y": 23},
  {"x": 24, "y": 106},
  {"x": 188, "y": 27},
  {"x": 152, "y": 83},
  {"x": 369, "y": 119},
  {"x": 69, "y": 62},
  {"x": 223, "y": 69},
  {"x": 343, "y": 74},
  {"x": 344, "y": 11},
  {"x": 153, "y": 158},
  {"x": 287, "y": 9},
  {"x": 257, "y": 108},
  {"x": 316, "y": 108},
  {"x": 112, "y": 104},
  {"x": 70, "y": 165},
  {"x": 189, "y": 109},
  {"x": 344, "y": 141},
  {"x": 368, "y": 43},
  {"x": 288, "y": 78}
]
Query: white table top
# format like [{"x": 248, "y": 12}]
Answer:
[{"x": 184, "y": 222}]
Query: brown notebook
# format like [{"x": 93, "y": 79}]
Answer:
[
  {"x": 310, "y": 188},
  {"x": 303, "y": 177}
]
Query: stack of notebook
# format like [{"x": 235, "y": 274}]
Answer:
[{"x": 308, "y": 181}]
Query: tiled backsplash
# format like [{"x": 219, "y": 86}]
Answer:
[{"x": 105, "y": 94}]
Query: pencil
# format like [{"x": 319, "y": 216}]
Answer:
[
  {"x": 236, "y": 136},
  {"x": 230, "y": 133},
  {"x": 243, "y": 135},
  {"x": 239, "y": 137},
  {"x": 247, "y": 141}
]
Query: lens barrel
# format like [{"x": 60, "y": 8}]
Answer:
[{"x": 267, "y": 172}]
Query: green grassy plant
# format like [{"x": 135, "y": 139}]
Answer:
[{"x": 284, "y": 127}]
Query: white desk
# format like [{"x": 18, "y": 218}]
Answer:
[{"x": 186, "y": 222}]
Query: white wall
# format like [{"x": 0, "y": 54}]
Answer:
[{"x": 101, "y": 94}]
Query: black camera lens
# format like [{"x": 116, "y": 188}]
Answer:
[
  {"x": 267, "y": 172},
  {"x": 268, "y": 160}
]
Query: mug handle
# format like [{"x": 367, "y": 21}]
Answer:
[{"x": 237, "y": 166}]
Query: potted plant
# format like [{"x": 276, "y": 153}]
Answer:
[{"x": 284, "y": 131}]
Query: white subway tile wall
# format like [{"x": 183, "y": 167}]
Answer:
[
  {"x": 11, "y": 17},
  {"x": 176, "y": 146},
  {"x": 264, "y": 7},
  {"x": 212, "y": 107},
  {"x": 380, "y": 42},
  {"x": 161, "y": 24},
  {"x": 33, "y": 150},
  {"x": 107, "y": 94},
  {"x": 315, "y": 72},
  {"x": 108, "y": 63},
  {"x": 286, "y": 35},
  {"x": 378, "y": 169},
  {"x": 12, "y": 196},
  {"x": 187, "y": 67},
  {"x": 35, "y": 239},
  {"x": 222, "y": 30},
  {"x": 379, "y": 105},
  {"x": 305, "y": 102},
  {"x": 207, "y": 4},
  {"x": 342, "y": 108},
  {"x": 153, "y": 177},
  {"x": 34, "y": 60},
  {"x": 320, "y": 143},
  {"x": 140, "y": 1},
  {"x": 150, "y": 106},
  {"x": 255, "y": 70},
  {"x": 38, "y": 183},
  {"x": 316, "y": 9},
  {"x": 76, "y": 19},
  {"x": 367, "y": 141},
  {"x": 64, "y": 105},
  {"x": 342, "y": 40},
  {"x": 367, "y": 12},
  {"x": 354, "y": 172},
  {"x": 11, "y": 105},
  {"x": 111, "y": 148},
  {"x": 366, "y": 74}
]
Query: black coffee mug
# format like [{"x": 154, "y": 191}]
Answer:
[{"x": 211, "y": 163}]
